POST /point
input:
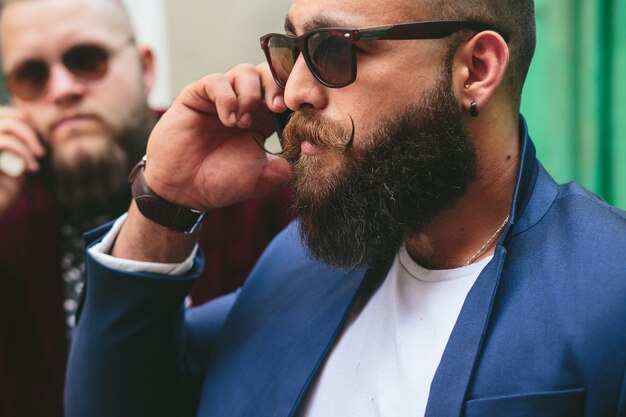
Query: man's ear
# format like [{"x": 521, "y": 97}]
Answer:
[
  {"x": 480, "y": 66},
  {"x": 146, "y": 57}
]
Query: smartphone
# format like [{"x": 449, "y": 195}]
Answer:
[{"x": 280, "y": 121}]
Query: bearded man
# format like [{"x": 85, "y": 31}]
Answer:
[
  {"x": 78, "y": 122},
  {"x": 435, "y": 268}
]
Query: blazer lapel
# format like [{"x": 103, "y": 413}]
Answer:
[
  {"x": 279, "y": 333},
  {"x": 453, "y": 376},
  {"x": 447, "y": 391}
]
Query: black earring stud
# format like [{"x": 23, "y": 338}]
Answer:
[{"x": 474, "y": 109}]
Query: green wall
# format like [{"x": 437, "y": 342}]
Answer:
[{"x": 575, "y": 95}]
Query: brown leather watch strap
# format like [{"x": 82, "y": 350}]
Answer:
[{"x": 174, "y": 217}]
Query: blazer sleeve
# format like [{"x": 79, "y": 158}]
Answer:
[{"x": 136, "y": 351}]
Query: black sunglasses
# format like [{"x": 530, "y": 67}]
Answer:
[
  {"x": 330, "y": 53},
  {"x": 87, "y": 62}
]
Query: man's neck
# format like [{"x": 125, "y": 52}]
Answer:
[{"x": 458, "y": 234}]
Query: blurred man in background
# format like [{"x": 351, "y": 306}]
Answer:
[{"x": 78, "y": 122}]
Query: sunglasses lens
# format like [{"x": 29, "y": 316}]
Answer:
[
  {"x": 29, "y": 80},
  {"x": 331, "y": 55},
  {"x": 282, "y": 57},
  {"x": 88, "y": 62}
]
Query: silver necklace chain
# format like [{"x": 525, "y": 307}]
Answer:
[{"x": 483, "y": 247}]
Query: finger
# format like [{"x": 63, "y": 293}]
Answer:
[
  {"x": 273, "y": 94},
  {"x": 247, "y": 86},
  {"x": 214, "y": 94},
  {"x": 21, "y": 130},
  {"x": 9, "y": 143}
]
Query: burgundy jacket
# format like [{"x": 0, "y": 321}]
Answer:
[{"x": 33, "y": 348}]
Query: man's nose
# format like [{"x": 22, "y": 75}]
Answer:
[
  {"x": 63, "y": 86},
  {"x": 302, "y": 90}
]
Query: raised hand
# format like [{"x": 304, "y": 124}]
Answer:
[
  {"x": 19, "y": 143},
  {"x": 202, "y": 154}
]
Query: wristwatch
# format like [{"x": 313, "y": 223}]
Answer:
[{"x": 174, "y": 217}]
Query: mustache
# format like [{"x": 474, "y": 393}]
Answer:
[{"x": 316, "y": 130}]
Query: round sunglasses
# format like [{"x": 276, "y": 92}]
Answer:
[
  {"x": 330, "y": 53},
  {"x": 87, "y": 62}
]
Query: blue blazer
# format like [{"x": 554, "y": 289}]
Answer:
[{"x": 542, "y": 332}]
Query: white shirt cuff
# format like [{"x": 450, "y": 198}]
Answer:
[{"x": 100, "y": 252}]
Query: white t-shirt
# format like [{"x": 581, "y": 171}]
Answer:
[{"x": 384, "y": 362}]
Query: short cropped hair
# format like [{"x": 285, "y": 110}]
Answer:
[
  {"x": 120, "y": 3},
  {"x": 516, "y": 18}
]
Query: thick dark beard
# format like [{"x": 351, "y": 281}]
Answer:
[
  {"x": 97, "y": 179},
  {"x": 413, "y": 167}
]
